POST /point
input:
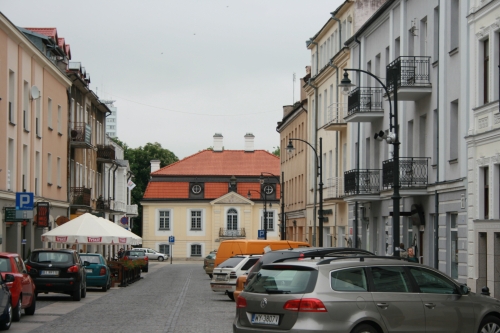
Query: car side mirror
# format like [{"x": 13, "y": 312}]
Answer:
[
  {"x": 9, "y": 278},
  {"x": 86, "y": 263},
  {"x": 464, "y": 290}
]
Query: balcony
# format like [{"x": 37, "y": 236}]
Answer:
[
  {"x": 223, "y": 232},
  {"x": 110, "y": 206},
  {"x": 412, "y": 75},
  {"x": 413, "y": 175},
  {"x": 119, "y": 206},
  {"x": 81, "y": 136},
  {"x": 105, "y": 153},
  {"x": 132, "y": 210},
  {"x": 79, "y": 196},
  {"x": 362, "y": 185},
  {"x": 336, "y": 114},
  {"x": 334, "y": 189},
  {"x": 365, "y": 105}
]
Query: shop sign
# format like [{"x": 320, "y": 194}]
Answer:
[{"x": 42, "y": 214}]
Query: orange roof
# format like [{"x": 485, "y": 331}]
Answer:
[
  {"x": 49, "y": 32},
  {"x": 167, "y": 190},
  {"x": 215, "y": 190},
  {"x": 224, "y": 163}
]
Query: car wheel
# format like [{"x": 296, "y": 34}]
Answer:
[
  {"x": 161, "y": 258},
  {"x": 145, "y": 269},
  {"x": 16, "y": 311},
  {"x": 489, "y": 325},
  {"x": 31, "y": 309},
  {"x": 364, "y": 328},
  {"x": 5, "y": 325},
  {"x": 77, "y": 294},
  {"x": 231, "y": 296},
  {"x": 84, "y": 291}
]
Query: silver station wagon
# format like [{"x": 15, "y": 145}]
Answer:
[{"x": 361, "y": 295}]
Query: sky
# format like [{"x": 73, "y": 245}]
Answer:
[{"x": 181, "y": 71}]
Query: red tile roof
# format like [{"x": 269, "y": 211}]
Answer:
[
  {"x": 215, "y": 190},
  {"x": 224, "y": 163},
  {"x": 167, "y": 190},
  {"x": 49, "y": 32}
]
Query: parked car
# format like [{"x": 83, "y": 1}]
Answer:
[
  {"x": 5, "y": 302},
  {"x": 152, "y": 254},
  {"x": 58, "y": 270},
  {"x": 22, "y": 289},
  {"x": 298, "y": 253},
  {"x": 208, "y": 263},
  {"x": 98, "y": 272},
  {"x": 137, "y": 255},
  {"x": 361, "y": 294},
  {"x": 225, "y": 275}
]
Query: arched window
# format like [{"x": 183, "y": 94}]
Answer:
[{"x": 232, "y": 219}]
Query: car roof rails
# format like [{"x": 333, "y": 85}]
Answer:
[
  {"x": 361, "y": 258},
  {"x": 331, "y": 254}
]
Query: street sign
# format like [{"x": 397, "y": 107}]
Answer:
[
  {"x": 24, "y": 214},
  {"x": 171, "y": 240},
  {"x": 24, "y": 200},
  {"x": 10, "y": 215},
  {"x": 261, "y": 234}
]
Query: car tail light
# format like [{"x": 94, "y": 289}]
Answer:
[
  {"x": 146, "y": 258},
  {"x": 305, "y": 305},
  {"x": 241, "y": 302},
  {"x": 125, "y": 258},
  {"x": 102, "y": 271},
  {"x": 73, "y": 269},
  {"x": 233, "y": 275},
  {"x": 28, "y": 267},
  {"x": 301, "y": 256}
]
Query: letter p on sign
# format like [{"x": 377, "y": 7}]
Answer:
[{"x": 24, "y": 201}]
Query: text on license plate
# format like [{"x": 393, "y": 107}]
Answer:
[
  {"x": 258, "y": 318},
  {"x": 51, "y": 273},
  {"x": 221, "y": 278},
  {"x": 88, "y": 270}
]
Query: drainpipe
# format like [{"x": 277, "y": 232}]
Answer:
[
  {"x": 114, "y": 181},
  {"x": 356, "y": 207},
  {"x": 68, "y": 182},
  {"x": 436, "y": 194},
  {"x": 340, "y": 29},
  {"x": 315, "y": 187},
  {"x": 336, "y": 134}
]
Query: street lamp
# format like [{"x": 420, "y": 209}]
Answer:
[
  {"x": 265, "y": 208},
  {"x": 282, "y": 213},
  {"x": 392, "y": 138},
  {"x": 290, "y": 148}
]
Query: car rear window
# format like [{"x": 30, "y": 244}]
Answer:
[
  {"x": 294, "y": 280},
  {"x": 51, "y": 257},
  {"x": 91, "y": 259},
  {"x": 5, "y": 265},
  {"x": 231, "y": 262}
]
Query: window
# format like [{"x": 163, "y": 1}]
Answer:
[
  {"x": 59, "y": 172},
  {"x": 164, "y": 220},
  {"x": 436, "y": 35},
  {"x": 454, "y": 137},
  {"x": 246, "y": 266},
  {"x": 12, "y": 98},
  {"x": 454, "y": 245},
  {"x": 196, "y": 189},
  {"x": 49, "y": 113},
  {"x": 232, "y": 219},
  {"x": 26, "y": 107},
  {"x": 59, "y": 120},
  {"x": 196, "y": 220},
  {"x": 390, "y": 279},
  {"x": 270, "y": 220},
  {"x": 268, "y": 189},
  {"x": 349, "y": 280},
  {"x": 49, "y": 168},
  {"x": 486, "y": 65},
  {"x": 165, "y": 249},
  {"x": 454, "y": 27},
  {"x": 196, "y": 250},
  {"x": 37, "y": 119},
  {"x": 431, "y": 282}
]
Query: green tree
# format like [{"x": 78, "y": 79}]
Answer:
[
  {"x": 276, "y": 151},
  {"x": 139, "y": 160}
]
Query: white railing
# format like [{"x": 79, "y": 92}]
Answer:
[
  {"x": 118, "y": 206},
  {"x": 132, "y": 210},
  {"x": 336, "y": 113},
  {"x": 334, "y": 187}
]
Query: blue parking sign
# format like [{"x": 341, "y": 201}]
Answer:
[
  {"x": 261, "y": 234},
  {"x": 24, "y": 201},
  {"x": 171, "y": 239}
]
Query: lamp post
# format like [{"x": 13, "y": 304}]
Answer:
[
  {"x": 282, "y": 198},
  {"x": 265, "y": 208},
  {"x": 392, "y": 138},
  {"x": 319, "y": 173}
]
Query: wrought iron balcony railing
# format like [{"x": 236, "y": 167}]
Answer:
[
  {"x": 334, "y": 188},
  {"x": 410, "y": 71},
  {"x": 336, "y": 113},
  {"x": 81, "y": 132},
  {"x": 367, "y": 99},
  {"x": 106, "y": 152},
  {"x": 413, "y": 172},
  {"x": 363, "y": 181},
  {"x": 80, "y": 196},
  {"x": 223, "y": 232}
]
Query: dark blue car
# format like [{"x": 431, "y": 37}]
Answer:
[
  {"x": 98, "y": 272},
  {"x": 5, "y": 302}
]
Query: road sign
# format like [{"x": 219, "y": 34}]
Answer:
[
  {"x": 10, "y": 215},
  {"x": 171, "y": 240},
  {"x": 24, "y": 201},
  {"x": 261, "y": 234},
  {"x": 24, "y": 214}
]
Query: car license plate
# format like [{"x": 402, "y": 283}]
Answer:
[
  {"x": 220, "y": 286},
  {"x": 221, "y": 278},
  {"x": 88, "y": 270},
  {"x": 266, "y": 319},
  {"x": 50, "y": 273}
]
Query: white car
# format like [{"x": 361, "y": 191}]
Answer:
[
  {"x": 152, "y": 254},
  {"x": 225, "y": 275}
]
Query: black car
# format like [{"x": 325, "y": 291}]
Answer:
[
  {"x": 138, "y": 254},
  {"x": 59, "y": 271},
  {"x": 5, "y": 302}
]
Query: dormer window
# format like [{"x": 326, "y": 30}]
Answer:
[{"x": 196, "y": 189}]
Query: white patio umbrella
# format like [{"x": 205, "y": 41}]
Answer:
[{"x": 90, "y": 229}]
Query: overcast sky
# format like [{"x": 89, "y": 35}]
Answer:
[{"x": 181, "y": 71}]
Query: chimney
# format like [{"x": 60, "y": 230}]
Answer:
[
  {"x": 218, "y": 144},
  {"x": 249, "y": 142},
  {"x": 155, "y": 165}
]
